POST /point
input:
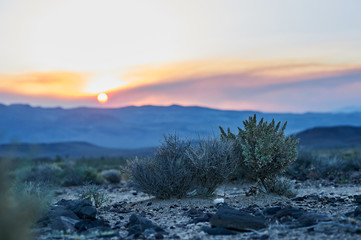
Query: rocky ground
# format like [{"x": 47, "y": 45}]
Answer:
[{"x": 321, "y": 210}]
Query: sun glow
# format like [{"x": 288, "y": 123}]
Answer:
[
  {"x": 103, "y": 82},
  {"x": 102, "y": 97}
]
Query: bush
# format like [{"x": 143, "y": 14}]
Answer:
[
  {"x": 18, "y": 210},
  {"x": 77, "y": 176},
  {"x": 44, "y": 174},
  {"x": 112, "y": 175},
  {"x": 94, "y": 195},
  {"x": 212, "y": 162},
  {"x": 168, "y": 174},
  {"x": 262, "y": 148},
  {"x": 331, "y": 165},
  {"x": 281, "y": 186}
]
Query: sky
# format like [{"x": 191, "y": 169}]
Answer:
[{"x": 271, "y": 56}]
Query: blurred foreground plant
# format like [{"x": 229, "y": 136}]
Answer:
[{"x": 18, "y": 210}]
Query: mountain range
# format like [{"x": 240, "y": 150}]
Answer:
[{"x": 140, "y": 127}]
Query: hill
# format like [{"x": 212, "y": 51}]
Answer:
[
  {"x": 139, "y": 127},
  {"x": 331, "y": 137},
  {"x": 67, "y": 150}
]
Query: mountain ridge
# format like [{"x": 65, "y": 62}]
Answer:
[{"x": 140, "y": 127}]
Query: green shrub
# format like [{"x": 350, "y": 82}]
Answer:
[
  {"x": 44, "y": 174},
  {"x": 79, "y": 175},
  {"x": 168, "y": 174},
  {"x": 262, "y": 148},
  {"x": 212, "y": 162},
  {"x": 93, "y": 194}
]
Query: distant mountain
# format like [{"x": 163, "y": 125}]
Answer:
[
  {"x": 330, "y": 137},
  {"x": 139, "y": 127},
  {"x": 67, "y": 150},
  {"x": 349, "y": 109}
]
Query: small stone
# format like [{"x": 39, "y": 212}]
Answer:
[{"x": 218, "y": 200}]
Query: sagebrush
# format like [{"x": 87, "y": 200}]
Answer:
[
  {"x": 262, "y": 148},
  {"x": 168, "y": 174},
  {"x": 213, "y": 162}
]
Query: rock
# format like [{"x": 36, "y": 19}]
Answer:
[
  {"x": 271, "y": 210},
  {"x": 82, "y": 208},
  {"x": 289, "y": 212},
  {"x": 358, "y": 199},
  {"x": 62, "y": 223},
  {"x": 137, "y": 226},
  {"x": 192, "y": 213},
  {"x": 218, "y": 231},
  {"x": 298, "y": 199},
  {"x": 87, "y": 224},
  {"x": 204, "y": 217},
  {"x": 230, "y": 218},
  {"x": 59, "y": 218},
  {"x": 112, "y": 176},
  {"x": 357, "y": 212},
  {"x": 218, "y": 200},
  {"x": 309, "y": 219}
]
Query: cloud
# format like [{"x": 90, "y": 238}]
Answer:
[
  {"x": 60, "y": 83},
  {"x": 264, "y": 88},
  {"x": 285, "y": 86}
]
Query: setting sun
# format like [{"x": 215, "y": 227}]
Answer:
[{"x": 102, "y": 98}]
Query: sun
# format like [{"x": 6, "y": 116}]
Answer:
[{"x": 102, "y": 97}]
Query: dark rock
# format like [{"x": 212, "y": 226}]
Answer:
[
  {"x": 87, "y": 224},
  {"x": 358, "y": 199},
  {"x": 230, "y": 218},
  {"x": 159, "y": 236},
  {"x": 82, "y": 208},
  {"x": 357, "y": 212},
  {"x": 313, "y": 197},
  {"x": 59, "y": 218},
  {"x": 148, "y": 232},
  {"x": 271, "y": 210},
  {"x": 289, "y": 212},
  {"x": 298, "y": 199},
  {"x": 137, "y": 225},
  {"x": 192, "y": 213},
  {"x": 309, "y": 219},
  {"x": 218, "y": 231},
  {"x": 204, "y": 217},
  {"x": 62, "y": 223}
]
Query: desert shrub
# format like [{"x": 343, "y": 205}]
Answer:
[
  {"x": 213, "y": 163},
  {"x": 168, "y": 174},
  {"x": 45, "y": 173},
  {"x": 281, "y": 186},
  {"x": 263, "y": 149},
  {"x": 111, "y": 176},
  {"x": 18, "y": 210},
  {"x": 304, "y": 166},
  {"x": 102, "y": 163},
  {"x": 43, "y": 193},
  {"x": 93, "y": 194},
  {"x": 79, "y": 175},
  {"x": 332, "y": 166}
]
